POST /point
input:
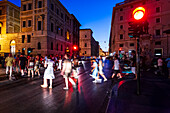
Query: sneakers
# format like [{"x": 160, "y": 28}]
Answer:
[
  {"x": 43, "y": 86},
  {"x": 94, "y": 81},
  {"x": 50, "y": 87},
  {"x": 65, "y": 88},
  {"x": 105, "y": 80}
]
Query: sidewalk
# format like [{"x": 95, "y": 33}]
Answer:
[{"x": 154, "y": 97}]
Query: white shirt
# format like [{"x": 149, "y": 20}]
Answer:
[{"x": 116, "y": 65}]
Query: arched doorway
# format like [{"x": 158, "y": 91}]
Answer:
[{"x": 12, "y": 47}]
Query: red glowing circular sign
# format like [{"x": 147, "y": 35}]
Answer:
[{"x": 139, "y": 13}]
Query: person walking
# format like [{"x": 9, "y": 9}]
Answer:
[
  {"x": 22, "y": 63},
  {"x": 37, "y": 65},
  {"x": 31, "y": 66},
  {"x": 160, "y": 65},
  {"x": 66, "y": 72},
  {"x": 116, "y": 68},
  {"x": 75, "y": 67},
  {"x": 49, "y": 73},
  {"x": 17, "y": 64},
  {"x": 59, "y": 64},
  {"x": 101, "y": 64},
  {"x": 9, "y": 63},
  {"x": 94, "y": 70}
]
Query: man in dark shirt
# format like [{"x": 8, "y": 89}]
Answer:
[{"x": 22, "y": 63}]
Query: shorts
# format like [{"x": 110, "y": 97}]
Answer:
[{"x": 116, "y": 72}]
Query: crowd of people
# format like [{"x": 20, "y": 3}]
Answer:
[{"x": 30, "y": 66}]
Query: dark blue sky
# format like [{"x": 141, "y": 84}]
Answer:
[{"x": 94, "y": 14}]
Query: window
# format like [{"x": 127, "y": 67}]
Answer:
[
  {"x": 28, "y": 38},
  {"x": 85, "y": 45},
  {"x": 52, "y": 7},
  {"x": 39, "y": 45},
  {"x": 57, "y": 47},
  {"x": 0, "y": 30},
  {"x": 157, "y": 9},
  {"x": 68, "y": 35},
  {"x": 158, "y": 32},
  {"x": 121, "y": 9},
  {"x": 158, "y": 43},
  {"x": 24, "y": 24},
  {"x": 39, "y": 4},
  {"x": 61, "y": 32},
  {"x": 158, "y": 52},
  {"x": 23, "y": 38},
  {"x": 84, "y": 52},
  {"x": 0, "y": 47},
  {"x": 121, "y": 17},
  {"x": 61, "y": 47},
  {"x": 121, "y": 36},
  {"x": 52, "y": 27},
  {"x": 132, "y": 44},
  {"x": 0, "y": 12},
  {"x": 51, "y": 45},
  {"x": 62, "y": 15},
  {"x": 29, "y": 23},
  {"x": 39, "y": 25},
  {"x": 29, "y": 6},
  {"x": 120, "y": 45},
  {"x": 157, "y": 20},
  {"x": 57, "y": 11},
  {"x": 121, "y": 26},
  {"x": 85, "y": 36},
  {"x": 24, "y": 7},
  {"x": 57, "y": 29}
]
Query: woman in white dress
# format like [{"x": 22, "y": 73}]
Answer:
[
  {"x": 49, "y": 73},
  {"x": 100, "y": 72}
]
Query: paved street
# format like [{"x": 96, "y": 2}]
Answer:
[
  {"x": 26, "y": 96},
  {"x": 115, "y": 96}
]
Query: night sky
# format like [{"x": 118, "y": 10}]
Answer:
[{"x": 94, "y": 14}]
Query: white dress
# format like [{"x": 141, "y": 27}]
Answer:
[
  {"x": 49, "y": 72},
  {"x": 100, "y": 67},
  {"x": 59, "y": 64}
]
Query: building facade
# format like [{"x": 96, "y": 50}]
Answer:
[
  {"x": 88, "y": 45},
  {"x": 39, "y": 27},
  {"x": 155, "y": 43},
  {"x": 9, "y": 27},
  {"x": 47, "y": 28}
]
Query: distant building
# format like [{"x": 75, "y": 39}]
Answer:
[
  {"x": 155, "y": 43},
  {"x": 88, "y": 45},
  {"x": 101, "y": 52},
  {"x": 9, "y": 27}
]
